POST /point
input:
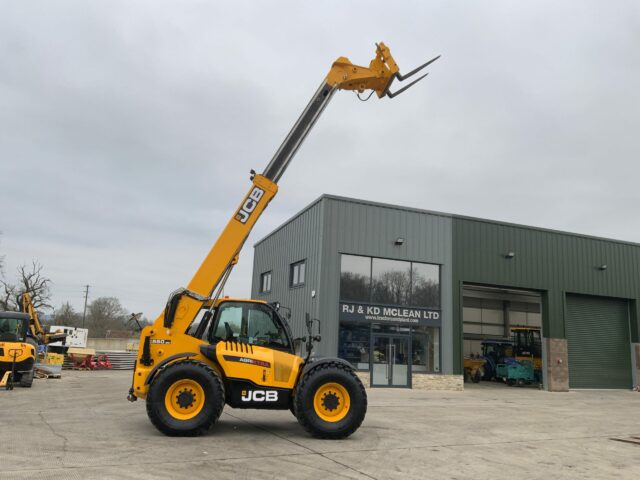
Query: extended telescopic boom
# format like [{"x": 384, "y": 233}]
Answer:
[{"x": 207, "y": 283}]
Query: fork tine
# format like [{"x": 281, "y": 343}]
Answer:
[
  {"x": 391, "y": 94},
  {"x": 416, "y": 70}
]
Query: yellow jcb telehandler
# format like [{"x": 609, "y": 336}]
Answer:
[{"x": 242, "y": 353}]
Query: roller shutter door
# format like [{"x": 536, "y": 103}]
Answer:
[{"x": 598, "y": 341}]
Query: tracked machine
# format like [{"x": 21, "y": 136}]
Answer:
[
  {"x": 205, "y": 351},
  {"x": 17, "y": 350},
  {"x": 36, "y": 330}
]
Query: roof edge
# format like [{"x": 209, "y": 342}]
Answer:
[
  {"x": 287, "y": 222},
  {"x": 338, "y": 198}
]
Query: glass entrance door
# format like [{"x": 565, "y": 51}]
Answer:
[{"x": 390, "y": 361}]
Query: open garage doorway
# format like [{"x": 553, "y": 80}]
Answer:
[{"x": 502, "y": 335}]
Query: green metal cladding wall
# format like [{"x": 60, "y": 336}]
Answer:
[{"x": 552, "y": 262}]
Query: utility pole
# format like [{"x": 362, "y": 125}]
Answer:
[{"x": 86, "y": 295}]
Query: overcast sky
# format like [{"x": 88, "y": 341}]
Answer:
[{"x": 128, "y": 129}]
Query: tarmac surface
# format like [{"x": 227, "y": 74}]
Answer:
[{"x": 81, "y": 427}]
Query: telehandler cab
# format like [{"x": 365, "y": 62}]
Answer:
[{"x": 242, "y": 352}]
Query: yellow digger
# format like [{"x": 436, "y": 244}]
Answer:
[
  {"x": 35, "y": 327},
  {"x": 17, "y": 350},
  {"x": 241, "y": 352}
]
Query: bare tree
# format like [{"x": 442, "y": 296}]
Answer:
[
  {"x": 1, "y": 263},
  {"x": 7, "y": 296},
  {"x": 67, "y": 316},
  {"x": 32, "y": 281},
  {"x": 106, "y": 314}
]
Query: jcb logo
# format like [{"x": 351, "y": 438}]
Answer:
[
  {"x": 249, "y": 205},
  {"x": 259, "y": 396}
]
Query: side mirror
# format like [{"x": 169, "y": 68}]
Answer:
[{"x": 308, "y": 322}]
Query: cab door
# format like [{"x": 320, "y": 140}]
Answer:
[{"x": 256, "y": 354}]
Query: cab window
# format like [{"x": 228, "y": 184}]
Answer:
[
  {"x": 229, "y": 324},
  {"x": 251, "y": 323}
]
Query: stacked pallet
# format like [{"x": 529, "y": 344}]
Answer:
[{"x": 120, "y": 360}]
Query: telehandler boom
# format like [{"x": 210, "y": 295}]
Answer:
[{"x": 242, "y": 352}]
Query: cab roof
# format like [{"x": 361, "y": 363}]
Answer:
[{"x": 234, "y": 299}]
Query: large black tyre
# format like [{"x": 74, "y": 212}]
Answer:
[
  {"x": 185, "y": 399},
  {"x": 26, "y": 379},
  {"x": 332, "y": 390}
]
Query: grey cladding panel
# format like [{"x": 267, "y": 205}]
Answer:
[
  {"x": 362, "y": 228},
  {"x": 297, "y": 240},
  {"x": 545, "y": 260}
]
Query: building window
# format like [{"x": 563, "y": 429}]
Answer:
[
  {"x": 425, "y": 285},
  {"x": 425, "y": 349},
  {"x": 353, "y": 344},
  {"x": 297, "y": 273},
  {"x": 389, "y": 282},
  {"x": 265, "y": 282},
  {"x": 355, "y": 278}
]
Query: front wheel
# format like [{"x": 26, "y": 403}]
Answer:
[
  {"x": 330, "y": 401},
  {"x": 185, "y": 399}
]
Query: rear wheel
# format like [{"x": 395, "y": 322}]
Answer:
[
  {"x": 330, "y": 401},
  {"x": 26, "y": 379},
  {"x": 185, "y": 399}
]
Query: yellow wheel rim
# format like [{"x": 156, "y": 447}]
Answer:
[
  {"x": 331, "y": 402},
  {"x": 184, "y": 399}
]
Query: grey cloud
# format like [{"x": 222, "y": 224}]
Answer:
[{"x": 127, "y": 129}]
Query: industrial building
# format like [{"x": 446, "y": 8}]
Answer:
[{"x": 404, "y": 294}]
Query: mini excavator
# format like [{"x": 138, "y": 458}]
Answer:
[
  {"x": 17, "y": 350},
  {"x": 35, "y": 327},
  {"x": 241, "y": 352}
]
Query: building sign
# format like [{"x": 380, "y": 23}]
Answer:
[{"x": 385, "y": 313}]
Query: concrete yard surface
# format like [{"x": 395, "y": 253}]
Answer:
[{"x": 82, "y": 427}]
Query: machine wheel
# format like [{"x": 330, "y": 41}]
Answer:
[
  {"x": 185, "y": 399},
  {"x": 26, "y": 379},
  {"x": 330, "y": 401},
  {"x": 511, "y": 382},
  {"x": 477, "y": 376}
]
